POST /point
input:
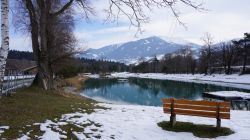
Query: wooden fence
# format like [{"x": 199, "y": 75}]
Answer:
[{"x": 15, "y": 79}]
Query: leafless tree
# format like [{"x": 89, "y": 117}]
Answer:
[
  {"x": 41, "y": 13},
  {"x": 207, "y": 51},
  {"x": 223, "y": 49},
  {"x": 134, "y": 10},
  {"x": 229, "y": 56}
]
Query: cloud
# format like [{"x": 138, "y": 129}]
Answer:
[
  {"x": 20, "y": 43},
  {"x": 106, "y": 36},
  {"x": 225, "y": 19}
]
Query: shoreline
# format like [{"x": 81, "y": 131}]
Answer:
[{"x": 233, "y": 81}]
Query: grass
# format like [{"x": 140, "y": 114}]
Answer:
[
  {"x": 202, "y": 131},
  {"x": 76, "y": 82},
  {"x": 32, "y": 105}
]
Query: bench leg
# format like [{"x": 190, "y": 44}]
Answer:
[
  {"x": 218, "y": 124},
  {"x": 172, "y": 120}
]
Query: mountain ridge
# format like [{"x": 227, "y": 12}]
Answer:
[{"x": 130, "y": 52}]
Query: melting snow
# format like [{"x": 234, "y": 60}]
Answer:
[
  {"x": 24, "y": 137},
  {"x": 127, "y": 122},
  {"x": 231, "y": 94},
  {"x": 49, "y": 133},
  {"x": 3, "y": 128}
]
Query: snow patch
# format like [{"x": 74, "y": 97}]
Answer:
[
  {"x": 234, "y": 80},
  {"x": 244, "y": 95},
  {"x": 24, "y": 137},
  {"x": 3, "y": 128},
  {"x": 49, "y": 133}
]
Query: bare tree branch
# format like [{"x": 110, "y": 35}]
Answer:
[
  {"x": 65, "y": 7},
  {"x": 134, "y": 10}
]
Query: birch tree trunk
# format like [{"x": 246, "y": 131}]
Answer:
[{"x": 5, "y": 39}]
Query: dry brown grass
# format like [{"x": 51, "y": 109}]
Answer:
[{"x": 77, "y": 81}]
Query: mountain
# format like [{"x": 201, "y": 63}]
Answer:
[{"x": 132, "y": 51}]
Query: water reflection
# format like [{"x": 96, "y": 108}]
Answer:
[{"x": 145, "y": 91}]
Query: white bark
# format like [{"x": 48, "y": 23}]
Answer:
[{"x": 5, "y": 38}]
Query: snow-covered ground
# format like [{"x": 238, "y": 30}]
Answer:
[
  {"x": 231, "y": 94},
  {"x": 234, "y": 80},
  {"x": 130, "y": 122}
]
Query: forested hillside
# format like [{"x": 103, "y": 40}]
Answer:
[{"x": 14, "y": 54}]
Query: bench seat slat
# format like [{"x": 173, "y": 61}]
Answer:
[{"x": 196, "y": 107}]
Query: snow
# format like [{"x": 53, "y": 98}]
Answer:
[
  {"x": 49, "y": 133},
  {"x": 24, "y": 137},
  {"x": 175, "y": 40},
  {"x": 121, "y": 53},
  {"x": 234, "y": 80},
  {"x": 19, "y": 77},
  {"x": 137, "y": 61},
  {"x": 95, "y": 56},
  {"x": 3, "y": 128},
  {"x": 231, "y": 94},
  {"x": 160, "y": 57},
  {"x": 127, "y": 122},
  {"x": 92, "y": 75},
  {"x": 146, "y": 41}
]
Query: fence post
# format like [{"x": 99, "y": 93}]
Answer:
[{"x": 173, "y": 115}]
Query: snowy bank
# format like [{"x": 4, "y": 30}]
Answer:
[
  {"x": 234, "y": 80},
  {"x": 127, "y": 122},
  {"x": 230, "y": 94}
]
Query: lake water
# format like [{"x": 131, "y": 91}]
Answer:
[{"x": 146, "y": 91}]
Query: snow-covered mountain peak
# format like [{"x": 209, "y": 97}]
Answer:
[{"x": 134, "y": 50}]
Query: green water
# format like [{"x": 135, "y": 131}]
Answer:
[{"x": 146, "y": 91}]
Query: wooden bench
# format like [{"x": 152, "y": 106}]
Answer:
[{"x": 218, "y": 110}]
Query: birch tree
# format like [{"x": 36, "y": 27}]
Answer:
[{"x": 5, "y": 38}]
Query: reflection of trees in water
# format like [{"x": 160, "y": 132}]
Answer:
[
  {"x": 161, "y": 88},
  {"x": 146, "y": 84},
  {"x": 100, "y": 83},
  {"x": 170, "y": 88},
  {"x": 178, "y": 89}
]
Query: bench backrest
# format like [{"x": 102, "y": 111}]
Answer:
[{"x": 219, "y": 110}]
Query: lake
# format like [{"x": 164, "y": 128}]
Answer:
[{"x": 146, "y": 91}]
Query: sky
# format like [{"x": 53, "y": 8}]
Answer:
[{"x": 223, "y": 19}]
